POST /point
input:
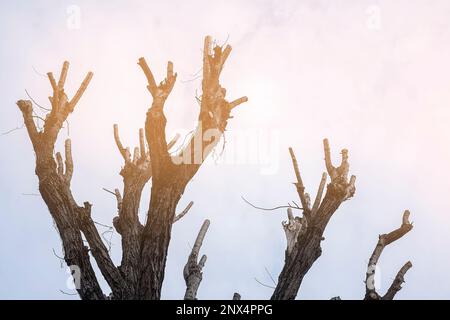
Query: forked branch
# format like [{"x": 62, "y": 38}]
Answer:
[{"x": 383, "y": 241}]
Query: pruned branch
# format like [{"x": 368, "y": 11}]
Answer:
[
  {"x": 193, "y": 270},
  {"x": 123, "y": 151},
  {"x": 69, "y": 161},
  {"x": 156, "y": 122},
  {"x": 319, "y": 194},
  {"x": 172, "y": 172},
  {"x": 304, "y": 198},
  {"x": 71, "y": 220},
  {"x": 383, "y": 241},
  {"x": 304, "y": 236},
  {"x": 396, "y": 285}
]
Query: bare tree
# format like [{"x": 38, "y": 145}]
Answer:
[
  {"x": 144, "y": 247},
  {"x": 305, "y": 234}
]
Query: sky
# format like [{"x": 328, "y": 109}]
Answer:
[{"x": 371, "y": 76}]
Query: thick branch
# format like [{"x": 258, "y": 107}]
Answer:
[
  {"x": 99, "y": 251},
  {"x": 171, "y": 174},
  {"x": 54, "y": 186},
  {"x": 214, "y": 112},
  {"x": 155, "y": 124},
  {"x": 383, "y": 241}
]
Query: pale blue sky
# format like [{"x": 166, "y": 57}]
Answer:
[{"x": 372, "y": 76}]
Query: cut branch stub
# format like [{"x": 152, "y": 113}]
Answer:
[
  {"x": 65, "y": 172},
  {"x": 383, "y": 241},
  {"x": 159, "y": 92},
  {"x": 292, "y": 227},
  {"x": 341, "y": 187},
  {"x": 61, "y": 108},
  {"x": 193, "y": 270},
  {"x": 156, "y": 121}
]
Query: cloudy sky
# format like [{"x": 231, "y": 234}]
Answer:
[{"x": 372, "y": 76}]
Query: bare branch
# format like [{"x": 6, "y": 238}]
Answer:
[
  {"x": 53, "y": 186},
  {"x": 300, "y": 187},
  {"x": 69, "y": 160},
  {"x": 274, "y": 208},
  {"x": 304, "y": 243},
  {"x": 173, "y": 141},
  {"x": 329, "y": 165},
  {"x": 192, "y": 270},
  {"x": 142, "y": 144},
  {"x": 263, "y": 284},
  {"x": 63, "y": 75},
  {"x": 383, "y": 241},
  {"x": 122, "y": 150},
  {"x": 319, "y": 194},
  {"x": 183, "y": 213},
  {"x": 100, "y": 252},
  {"x": 149, "y": 75},
  {"x": 396, "y": 285},
  {"x": 26, "y": 108},
  {"x": 159, "y": 92},
  {"x": 238, "y": 102},
  {"x": 170, "y": 175},
  {"x": 52, "y": 81},
  {"x": 80, "y": 91}
]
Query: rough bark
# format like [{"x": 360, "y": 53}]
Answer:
[
  {"x": 72, "y": 220},
  {"x": 305, "y": 234}
]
